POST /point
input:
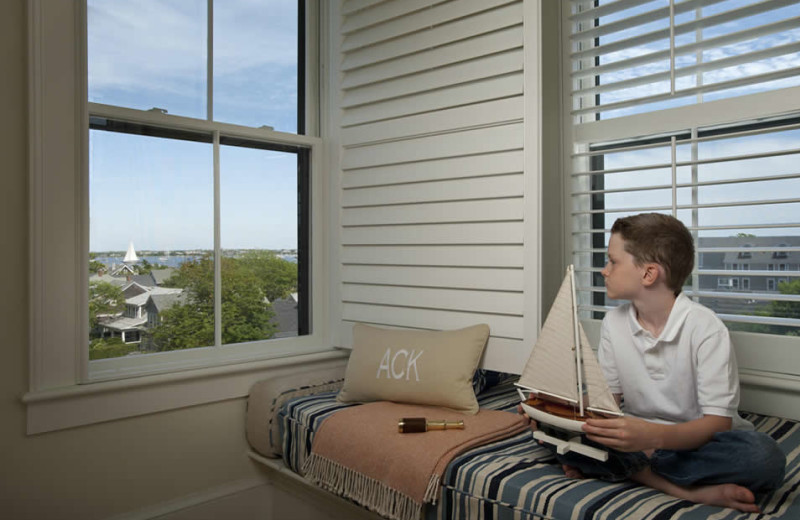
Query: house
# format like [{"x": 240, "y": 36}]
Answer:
[
  {"x": 141, "y": 312},
  {"x": 285, "y": 318},
  {"x": 443, "y": 202}
]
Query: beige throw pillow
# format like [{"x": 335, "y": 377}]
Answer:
[{"x": 412, "y": 366}]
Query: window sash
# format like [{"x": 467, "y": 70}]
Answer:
[
  {"x": 218, "y": 134},
  {"x": 589, "y": 242}
]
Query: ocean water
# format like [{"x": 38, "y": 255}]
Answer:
[{"x": 170, "y": 260}]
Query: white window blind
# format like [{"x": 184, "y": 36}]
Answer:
[
  {"x": 725, "y": 165},
  {"x": 634, "y": 56}
]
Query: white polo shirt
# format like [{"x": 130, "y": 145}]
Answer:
[{"x": 687, "y": 372}]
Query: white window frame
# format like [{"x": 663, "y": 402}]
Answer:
[
  {"x": 768, "y": 363},
  {"x": 63, "y": 392}
]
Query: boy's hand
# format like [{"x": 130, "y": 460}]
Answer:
[{"x": 623, "y": 433}]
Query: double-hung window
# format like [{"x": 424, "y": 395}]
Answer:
[
  {"x": 176, "y": 208},
  {"x": 691, "y": 108},
  {"x": 198, "y": 195}
]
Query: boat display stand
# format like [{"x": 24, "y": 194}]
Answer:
[{"x": 571, "y": 444}]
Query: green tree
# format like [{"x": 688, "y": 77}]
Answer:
[
  {"x": 777, "y": 309},
  {"x": 783, "y": 309},
  {"x": 102, "y": 348},
  {"x": 277, "y": 277},
  {"x": 104, "y": 298},
  {"x": 95, "y": 266},
  {"x": 145, "y": 266},
  {"x": 246, "y": 314}
]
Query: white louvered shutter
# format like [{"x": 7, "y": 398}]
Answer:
[{"x": 432, "y": 160}]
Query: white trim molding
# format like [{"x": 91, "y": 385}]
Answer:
[{"x": 79, "y": 405}]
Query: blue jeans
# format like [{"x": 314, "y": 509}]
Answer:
[{"x": 747, "y": 458}]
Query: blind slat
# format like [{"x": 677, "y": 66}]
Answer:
[
  {"x": 684, "y": 28},
  {"x": 704, "y": 228},
  {"x": 704, "y": 67},
  {"x": 679, "y": 185},
  {"x": 728, "y": 295},
  {"x": 736, "y": 318},
  {"x": 606, "y": 9},
  {"x": 662, "y": 13},
  {"x": 721, "y": 272},
  {"x": 717, "y": 41},
  {"x": 726, "y": 249},
  {"x": 735, "y": 204}
]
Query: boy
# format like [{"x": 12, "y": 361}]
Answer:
[{"x": 672, "y": 361}]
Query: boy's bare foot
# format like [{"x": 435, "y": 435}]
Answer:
[
  {"x": 571, "y": 472},
  {"x": 726, "y": 495}
]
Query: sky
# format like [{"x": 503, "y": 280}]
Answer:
[{"x": 158, "y": 192}]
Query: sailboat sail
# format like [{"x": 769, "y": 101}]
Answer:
[
  {"x": 599, "y": 396},
  {"x": 130, "y": 256},
  {"x": 551, "y": 368}
]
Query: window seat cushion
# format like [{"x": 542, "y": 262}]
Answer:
[{"x": 517, "y": 478}]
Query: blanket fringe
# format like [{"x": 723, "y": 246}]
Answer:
[
  {"x": 432, "y": 491},
  {"x": 364, "y": 490}
]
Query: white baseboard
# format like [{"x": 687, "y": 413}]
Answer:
[{"x": 174, "y": 508}]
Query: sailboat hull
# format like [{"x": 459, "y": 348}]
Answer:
[{"x": 552, "y": 420}]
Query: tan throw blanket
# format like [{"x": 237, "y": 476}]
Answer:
[{"x": 359, "y": 454}]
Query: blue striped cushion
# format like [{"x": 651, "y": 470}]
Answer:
[{"x": 517, "y": 479}]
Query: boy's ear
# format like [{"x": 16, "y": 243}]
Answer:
[{"x": 652, "y": 272}]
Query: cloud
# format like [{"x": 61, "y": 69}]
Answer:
[{"x": 160, "y": 45}]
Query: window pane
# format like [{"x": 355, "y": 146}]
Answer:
[
  {"x": 152, "y": 186},
  {"x": 147, "y": 54},
  {"x": 259, "y": 236},
  {"x": 256, "y": 63},
  {"x": 741, "y": 200},
  {"x": 151, "y": 239}
]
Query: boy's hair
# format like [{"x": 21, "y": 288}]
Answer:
[{"x": 662, "y": 239}]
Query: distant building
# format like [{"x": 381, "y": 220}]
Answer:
[
  {"x": 771, "y": 263},
  {"x": 285, "y": 318},
  {"x": 139, "y": 291},
  {"x": 757, "y": 273},
  {"x": 753, "y": 275},
  {"x": 130, "y": 325}
]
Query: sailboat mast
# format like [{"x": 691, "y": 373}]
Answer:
[{"x": 576, "y": 338}]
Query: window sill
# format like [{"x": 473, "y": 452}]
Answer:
[{"x": 80, "y": 405}]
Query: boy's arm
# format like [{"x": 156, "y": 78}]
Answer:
[{"x": 633, "y": 434}]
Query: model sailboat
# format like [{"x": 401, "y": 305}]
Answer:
[{"x": 563, "y": 378}]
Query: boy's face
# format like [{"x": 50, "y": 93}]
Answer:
[{"x": 622, "y": 275}]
